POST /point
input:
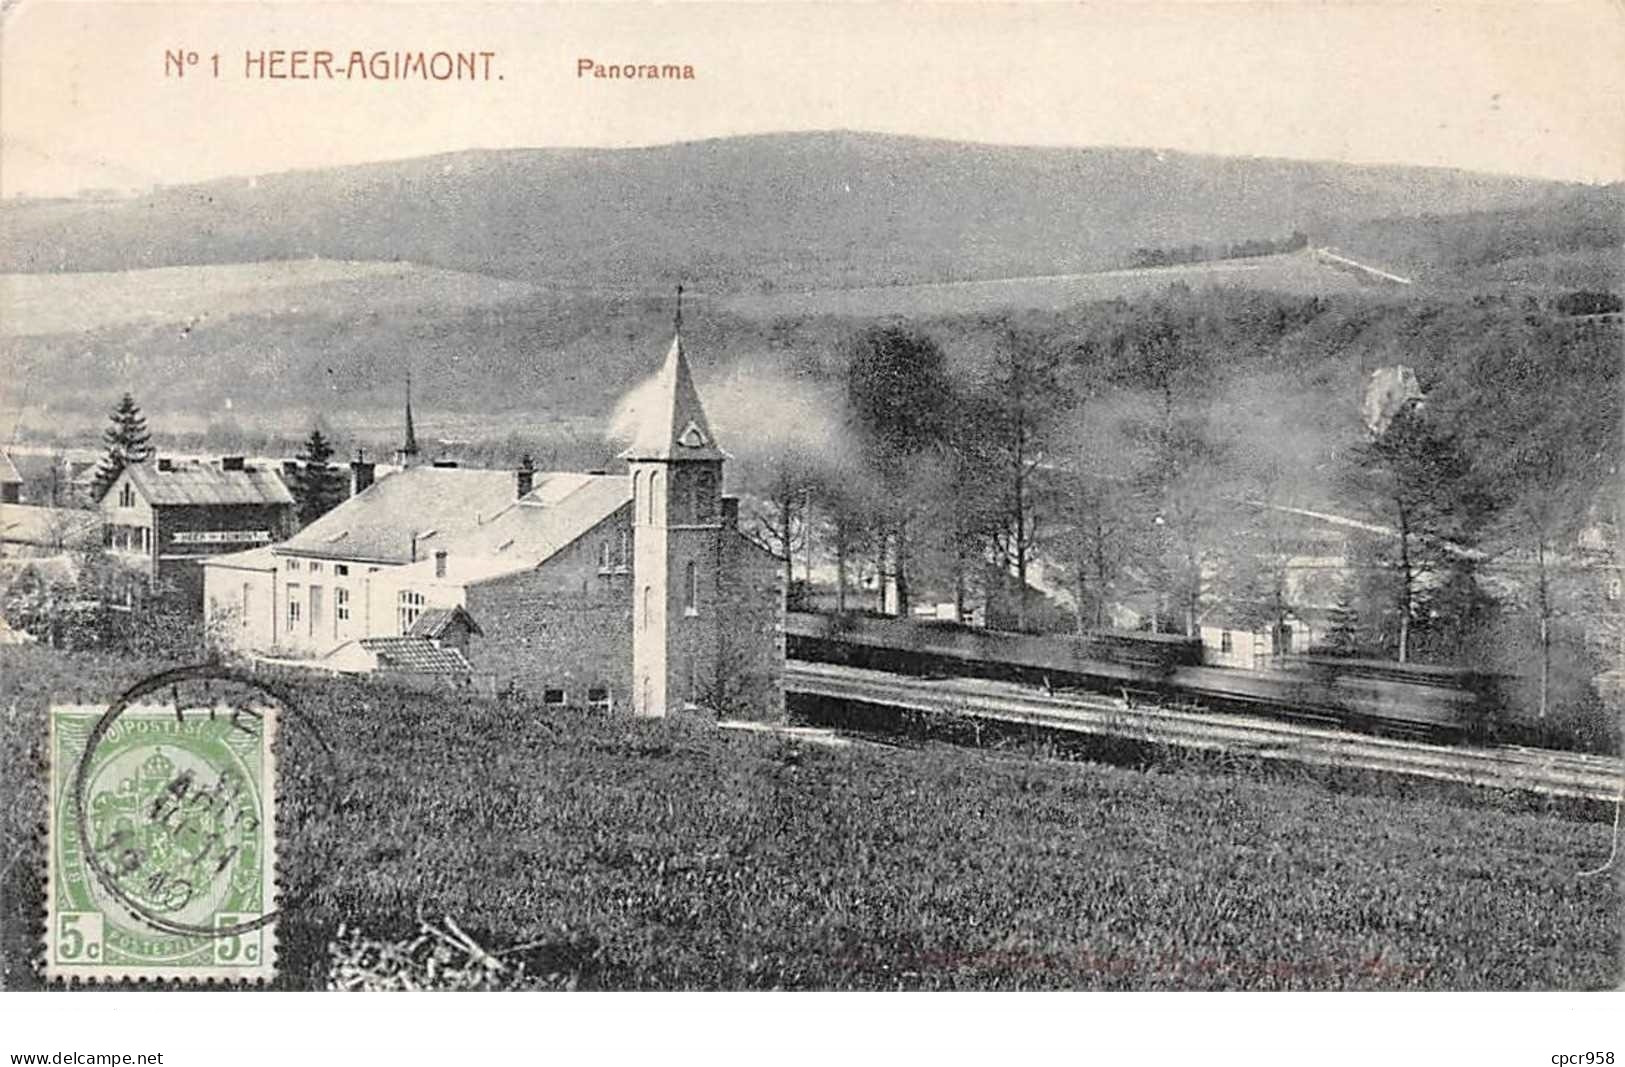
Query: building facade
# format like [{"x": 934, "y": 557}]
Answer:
[
  {"x": 601, "y": 590},
  {"x": 164, "y": 519}
]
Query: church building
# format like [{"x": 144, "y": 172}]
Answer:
[{"x": 633, "y": 591}]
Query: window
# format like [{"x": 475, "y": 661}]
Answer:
[
  {"x": 1225, "y": 644},
  {"x": 315, "y": 566},
  {"x": 598, "y": 698},
  {"x": 648, "y": 603},
  {"x": 341, "y": 569},
  {"x": 1283, "y": 640},
  {"x": 553, "y": 697},
  {"x": 126, "y": 497},
  {"x": 603, "y": 556},
  {"x": 1613, "y": 588},
  {"x": 408, "y": 607},
  {"x": 341, "y": 604},
  {"x": 691, "y": 589},
  {"x": 291, "y": 565},
  {"x": 626, "y": 548},
  {"x": 294, "y": 610}
]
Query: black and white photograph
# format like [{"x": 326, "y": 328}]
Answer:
[{"x": 860, "y": 498}]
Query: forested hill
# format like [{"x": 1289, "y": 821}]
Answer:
[
  {"x": 787, "y": 210},
  {"x": 1574, "y": 239}
]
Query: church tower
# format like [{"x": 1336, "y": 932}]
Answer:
[{"x": 676, "y": 471}]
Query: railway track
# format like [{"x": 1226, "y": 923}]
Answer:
[{"x": 1554, "y": 773}]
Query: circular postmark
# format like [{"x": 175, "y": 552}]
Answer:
[{"x": 165, "y": 832}]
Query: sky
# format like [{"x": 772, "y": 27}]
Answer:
[{"x": 1533, "y": 88}]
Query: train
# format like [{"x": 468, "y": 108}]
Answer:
[{"x": 1442, "y": 703}]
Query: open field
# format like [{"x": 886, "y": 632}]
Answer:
[
  {"x": 1297, "y": 273},
  {"x": 667, "y": 855},
  {"x": 39, "y": 304}
]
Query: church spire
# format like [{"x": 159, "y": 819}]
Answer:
[
  {"x": 672, "y": 425},
  {"x": 407, "y": 454}
]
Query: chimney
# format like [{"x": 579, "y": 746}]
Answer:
[
  {"x": 524, "y": 479},
  {"x": 439, "y": 563},
  {"x": 290, "y": 470},
  {"x": 165, "y": 463},
  {"x": 730, "y": 512},
  {"x": 231, "y": 463},
  {"x": 361, "y": 472}
]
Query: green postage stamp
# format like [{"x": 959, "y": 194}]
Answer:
[{"x": 162, "y": 844}]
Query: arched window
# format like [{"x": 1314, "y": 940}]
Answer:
[
  {"x": 691, "y": 589},
  {"x": 648, "y": 599},
  {"x": 657, "y": 493}
]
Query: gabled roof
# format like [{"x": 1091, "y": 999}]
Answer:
[
  {"x": 205, "y": 483},
  {"x": 417, "y": 655},
  {"x": 538, "y": 528},
  {"x": 673, "y": 426},
  {"x": 438, "y": 504},
  {"x": 8, "y": 470},
  {"x": 472, "y": 514},
  {"x": 435, "y": 623}
]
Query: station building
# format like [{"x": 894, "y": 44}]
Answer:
[
  {"x": 632, "y": 590},
  {"x": 163, "y": 519}
]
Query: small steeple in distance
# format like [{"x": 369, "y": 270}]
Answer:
[{"x": 407, "y": 454}]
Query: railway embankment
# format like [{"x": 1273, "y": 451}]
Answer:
[{"x": 1093, "y": 727}]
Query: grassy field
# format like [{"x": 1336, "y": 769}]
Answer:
[
  {"x": 1295, "y": 273},
  {"x": 70, "y": 303},
  {"x": 632, "y": 855}
]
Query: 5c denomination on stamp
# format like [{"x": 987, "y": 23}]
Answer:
[{"x": 162, "y": 851}]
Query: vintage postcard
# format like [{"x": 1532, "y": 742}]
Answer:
[{"x": 812, "y": 496}]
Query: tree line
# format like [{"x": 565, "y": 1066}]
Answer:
[{"x": 1159, "y": 454}]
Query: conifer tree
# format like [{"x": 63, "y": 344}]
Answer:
[
  {"x": 127, "y": 441},
  {"x": 317, "y": 487}
]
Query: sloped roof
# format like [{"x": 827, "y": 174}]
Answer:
[
  {"x": 250, "y": 559},
  {"x": 8, "y": 470},
  {"x": 30, "y": 524},
  {"x": 674, "y": 425},
  {"x": 435, "y": 622},
  {"x": 471, "y": 514},
  {"x": 417, "y": 655},
  {"x": 205, "y": 483},
  {"x": 536, "y": 530},
  {"x": 438, "y": 504}
]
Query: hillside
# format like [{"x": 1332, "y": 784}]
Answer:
[
  {"x": 1572, "y": 240},
  {"x": 44, "y": 304},
  {"x": 789, "y": 211},
  {"x": 1297, "y": 273}
]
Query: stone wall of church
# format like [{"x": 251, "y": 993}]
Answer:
[
  {"x": 751, "y": 638},
  {"x": 537, "y": 637}
]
